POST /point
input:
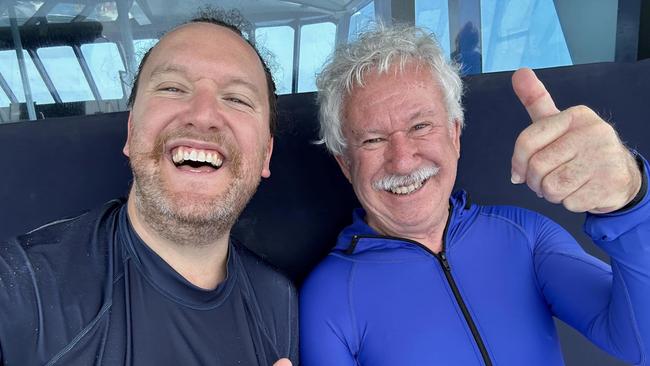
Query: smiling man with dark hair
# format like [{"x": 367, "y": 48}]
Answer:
[{"x": 158, "y": 280}]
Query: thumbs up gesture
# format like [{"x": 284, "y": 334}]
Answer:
[{"x": 571, "y": 157}]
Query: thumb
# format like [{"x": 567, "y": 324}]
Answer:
[
  {"x": 282, "y": 362},
  {"x": 533, "y": 95}
]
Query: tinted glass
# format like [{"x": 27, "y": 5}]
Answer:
[
  {"x": 106, "y": 67},
  {"x": 316, "y": 44},
  {"x": 279, "y": 41},
  {"x": 63, "y": 68},
  {"x": 11, "y": 72}
]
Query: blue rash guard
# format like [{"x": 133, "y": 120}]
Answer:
[
  {"x": 488, "y": 298},
  {"x": 89, "y": 291}
]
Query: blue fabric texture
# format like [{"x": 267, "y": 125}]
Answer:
[{"x": 386, "y": 301}]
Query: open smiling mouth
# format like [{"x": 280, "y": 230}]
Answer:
[
  {"x": 196, "y": 159},
  {"x": 409, "y": 189}
]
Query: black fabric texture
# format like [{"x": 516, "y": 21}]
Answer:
[{"x": 89, "y": 291}]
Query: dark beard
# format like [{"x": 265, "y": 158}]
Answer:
[{"x": 189, "y": 219}]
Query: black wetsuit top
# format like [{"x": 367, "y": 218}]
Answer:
[{"x": 88, "y": 291}]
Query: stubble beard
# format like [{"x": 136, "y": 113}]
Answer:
[{"x": 190, "y": 219}]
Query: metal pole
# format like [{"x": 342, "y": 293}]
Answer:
[
  {"x": 18, "y": 45},
  {"x": 85, "y": 69},
  {"x": 295, "y": 24},
  {"x": 7, "y": 89},
  {"x": 45, "y": 76},
  {"x": 123, "y": 8}
]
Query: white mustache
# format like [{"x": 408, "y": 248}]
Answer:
[{"x": 393, "y": 181}]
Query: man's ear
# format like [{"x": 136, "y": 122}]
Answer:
[
  {"x": 456, "y": 137},
  {"x": 125, "y": 150},
  {"x": 266, "y": 169},
  {"x": 344, "y": 163}
]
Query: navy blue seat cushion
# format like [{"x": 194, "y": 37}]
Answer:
[{"x": 60, "y": 167}]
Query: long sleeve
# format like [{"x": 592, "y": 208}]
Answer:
[
  {"x": 625, "y": 237},
  {"x": 610, "y": 306},
  {"x": 326, "y": 324}
]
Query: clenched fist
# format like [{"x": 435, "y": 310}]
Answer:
[{"x": 571, "y": 157}]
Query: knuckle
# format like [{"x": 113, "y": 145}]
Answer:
[
  {"x": 582, "y": 115},
  {"x": 550, "y": 190},
  {"x": 562, "y": 182},
  {"x": 556, "y": 186},
  {"x": 566, "y": 177},
  {"x": 574, "y": 205},
  {"x": 551, "y": 195},
  {"x": 553, "y": 153},
  {"x": 580, "y": 111},
  {"x": 538, "y": 162}
]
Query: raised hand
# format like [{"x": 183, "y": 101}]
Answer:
[
  {"x": 282, "y": 362},
  {"x": 573, "y": 156}
]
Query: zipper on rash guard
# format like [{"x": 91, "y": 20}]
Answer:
[
  {"x": 461, "y": 303},
  {"x": 446, "y": 269}
]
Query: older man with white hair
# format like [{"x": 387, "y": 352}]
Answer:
[{"x": 423, "y": 277}]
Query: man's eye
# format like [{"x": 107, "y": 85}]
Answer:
[
  {"x": 421, "y": 129},
  {"x": 239, "y": 101},
  {"x": 421, "y": 126},
  {"x": 372, "y": 141},
  {"x": 170, "y": 89}
]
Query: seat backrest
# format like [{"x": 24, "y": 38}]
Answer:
[{"x": 61, "y": 167}]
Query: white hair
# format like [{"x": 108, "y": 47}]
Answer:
[
  {"x": 392, "y": 181},
  {"x": 377, "y": 50}
]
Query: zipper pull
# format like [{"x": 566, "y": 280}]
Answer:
[
  {"x": 353, "y": 245},
  {"x": 445, "y": 263}
]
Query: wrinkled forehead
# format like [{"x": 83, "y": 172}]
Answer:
[
  {"x": 377, "y": 83},
  {"x": 362, "y": 80},
  {"x": 361, "y": 74},
  {"x": 393, "y": 101}
]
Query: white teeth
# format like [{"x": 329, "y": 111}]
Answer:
[
  {"x": 181, "y": 154},
  {"x": 217, "y": 161},
  {"x": 407, "y": 189},
  {"x": 176, "y": 157}
]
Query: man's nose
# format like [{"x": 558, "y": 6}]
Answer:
[
  {"x": 206, "y": 112},
  {"x": 401, "y": 154}
]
